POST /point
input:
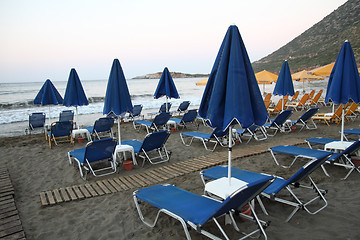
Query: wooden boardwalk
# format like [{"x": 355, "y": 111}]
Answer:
[
  {"x": 149, "y": 177},
  {"x": 10, "y": 224}
]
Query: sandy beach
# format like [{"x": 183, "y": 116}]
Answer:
[{"x": 34, "y": 168}]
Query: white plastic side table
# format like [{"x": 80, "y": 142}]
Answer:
[
  {"x": 124, "y": 149},
  {"x": 82, "y": 133},
  {"x": 337, "y": 145},
  {"x": 221, "y": 187}
]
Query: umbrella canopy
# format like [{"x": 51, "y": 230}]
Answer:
[
  {"x": 48, "y": 95},
  {"x": 323, "y": 70},
  {"x": 232, "y": 93},
  {"x": 117, "y": 98},
  {"x": 166, "y": 87},
  {"x": 74, "y": 93},
  {"x": 344, "y": 81},
  {"x": 265, "y": 77},
  {"x": 284, "y": 85},
  {"x": 305, "y": 76}
]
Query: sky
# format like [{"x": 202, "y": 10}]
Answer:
[{"x": 44, "y": 39}]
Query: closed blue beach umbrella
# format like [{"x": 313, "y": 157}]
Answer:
[
  {"x": 74, "y": 93},
  {"x": 284, "y": 84},
  {"x": 232, "y": 95},
  {"x": 166, "y": 87},
  {"x": 48, "y": 95},
  {"x": 117, "y": 98},
  {"x": 344, "y": 81}
]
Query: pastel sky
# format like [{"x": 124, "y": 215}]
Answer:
[{"x": 44, "y": 39}]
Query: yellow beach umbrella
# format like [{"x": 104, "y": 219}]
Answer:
[
  {"x": 304, "y": 76},
  {"x": 202, "y": 82},
  {"x": 324, "y": 70},
  {"x": 265, "y": 77}
]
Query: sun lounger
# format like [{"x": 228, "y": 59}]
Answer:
[
  {"x": 60, "y": 132},
  {"x": 188, "y": 117},
  {"x": 279, "y": 123},
  {"x": 298, "y": 105},
  {"x": 158, "y": 121},
  {"x": 292, "y": 185},
  {"x": 328, "y": 118},
  {"x": 102, "y": 127},
  {"x": 153, "y": 142},
  {"x": 95, "y": 154},
  {"x": 351, "y": 131},
  {"x": 306, "y": 120},
  {"x": 206, "y": 138},
  {"x": 195, "y": 210},
  {"x": 342, "y": 159},
  {"x": 254, "y": 131},
  {"x": 66, "y": 115},
  {"x": 36, "y": 121},
  {"x": 183, "y": 107}
]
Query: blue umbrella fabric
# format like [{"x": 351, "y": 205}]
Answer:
[
  {"x": 284, "y": 84},
  {"x": 74, "y": 93},
  {"x": 232, "y": 95},
  {"x": 166, "y": 87},
  {"x": 344, "y": 81},
  {"x": 48, "y": 95},
  {"x": 117, "y": 98}
]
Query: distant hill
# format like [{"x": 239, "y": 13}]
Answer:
[
  {"x": 320, "y": 44},
  {"x": 173, "y": 75}
]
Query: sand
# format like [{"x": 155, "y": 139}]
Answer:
[{"x": 34, "y": 168}]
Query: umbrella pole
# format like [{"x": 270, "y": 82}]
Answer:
[
  {"x": 342, "y": 125},
  {"x": 49, "y": 117},
  {"x": 166, "y": 106},
  {"x": 119, "y": 137},
  {"x": 229, "y": 157},
  {"x": 76, "y": 118}
]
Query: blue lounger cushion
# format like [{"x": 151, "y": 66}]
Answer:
[
  {"x": 299, "y": 151},
  {"x": 191, "y": 207},
  {"x": 136, "y": 144},
  {"x": 321, "y": 140},
  {"x": 197, "y": 134},
  {"x": 352, "y": 131}
]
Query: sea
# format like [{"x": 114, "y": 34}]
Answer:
[{"x": 16, "y": 99}]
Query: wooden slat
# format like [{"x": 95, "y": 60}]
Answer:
[
  {"x": 79, "y": 194},
  {"x": 121, "y": 184},
  {"x": 109, "y": 186},
  {"x": 85, "y": 191},
  {"x": 153, "y": 176},
  {"x": 172, "y": 172},
  {"x": 148, "y": 179},
  {"x": 71, "y": 193},
  {"x": 160, "y": 174},
  {"x": 91, "y": 190},
  {"x": 57, "y": 196},
  {"x": 132, "y": 182},
  {"x": 50, "y": 197},
  {"x": 143, "y": 179},
  {"x": 176, "y": 168},
  {"x": 9, "y": 219},
  {"x": 11, "y": 231},
  {"x": 137, "y": 180},
  {"x": 9, "y": 213},
  {"x": 64, "y": 194},
  {"x": 97, "y": 189},
  {"x": 103, "y": 187},
  {"x": 43, "y": 199},
  {"x": 126, "y": 182},
  {"x": 10, "y": 224},
  {"x": 9, "y": 200},
  {"x": 115, "y": 185}
]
